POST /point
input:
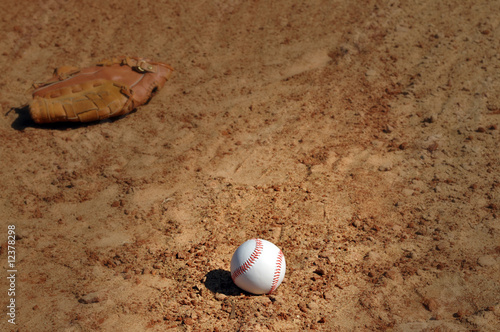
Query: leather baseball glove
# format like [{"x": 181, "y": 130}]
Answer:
[{"x": 111, "y": 88}]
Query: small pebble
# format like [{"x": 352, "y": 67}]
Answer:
[
  {"x": 433, "y": 147},
  {"x": 356, "y": 223},
  {"x": 328, "y": 295},
  {"x": 313, "y": 305},
  {"x": 370, "y": 72},
  {"x": 388, "y": 129},
  {"x": 487, "y": 260},
  {"x": 188, "y": 321},
  {"x": 430, "y": 304},
  {"x": 407, "y": 192},
  {"x": 90, "y": 298},
  {"x": 441, "y": 246},
  {"x": 387, "y": 166}
]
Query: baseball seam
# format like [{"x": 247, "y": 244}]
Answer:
[
  {"x": 250, "y": 261},
  {"x": 277, "y": 272}
]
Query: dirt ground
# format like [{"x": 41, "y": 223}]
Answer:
[{"x": 361, "y": 137}]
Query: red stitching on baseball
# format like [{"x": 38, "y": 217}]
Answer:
[
  {"x": 250, "y": 261},
  {"x": 277, "y": 272}
]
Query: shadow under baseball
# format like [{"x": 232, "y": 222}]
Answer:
[{"x": 219, "y": 281}]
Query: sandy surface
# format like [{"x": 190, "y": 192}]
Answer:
[{"x": 361, "y": 137}]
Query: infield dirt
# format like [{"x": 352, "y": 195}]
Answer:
[{"x": 361, "y": 137}]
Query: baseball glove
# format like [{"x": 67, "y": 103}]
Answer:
[{"x": 111, "y": 88}]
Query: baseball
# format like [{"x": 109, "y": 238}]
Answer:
[{"x": 258, "y": 266}]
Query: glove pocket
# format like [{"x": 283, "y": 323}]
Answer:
[{"x": 81, "y": 103}]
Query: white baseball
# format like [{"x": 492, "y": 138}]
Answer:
[{"x": 258, "y": 266}]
